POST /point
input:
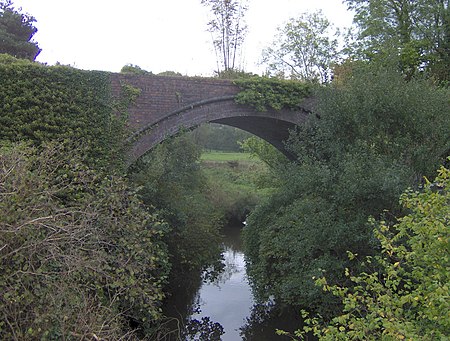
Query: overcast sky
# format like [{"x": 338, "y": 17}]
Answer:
[{"x": 157, "y": 35}]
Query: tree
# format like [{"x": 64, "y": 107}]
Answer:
[
  {"x": 134, "y": 69},
  {"x": 170, "y": 179},
  {"x": 303, "y": 49},
  {"x": 228, "y": 31},
  {"x": 16, "y": 31},
  {"x": 407, "y": 298},
  {"x": 375, "y": 136},
  {"x": 416, "y": 31}
]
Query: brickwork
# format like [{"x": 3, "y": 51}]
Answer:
[{"x": 167, "y": 104}]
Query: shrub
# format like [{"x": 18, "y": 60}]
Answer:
[{"x": 79, "y": 256}]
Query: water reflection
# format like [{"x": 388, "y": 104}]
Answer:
[
  {"x": 266, "y": 318},
  {"x": 227, "y": 300},
  {"x": 224, "y": 309}
]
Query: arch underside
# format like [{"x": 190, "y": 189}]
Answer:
[
  {"x": 274, "y": 131},
  {"x": 272, "y": 126}
]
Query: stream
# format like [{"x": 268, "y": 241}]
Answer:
[{"x": 225, "y": 309}]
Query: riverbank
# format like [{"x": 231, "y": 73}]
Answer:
[{"x": 237, "y": 182}]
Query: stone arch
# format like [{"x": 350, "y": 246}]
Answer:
[{"x": 271, "y": 125}]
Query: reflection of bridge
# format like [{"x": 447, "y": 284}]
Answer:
[{"x": 168, "y": 104}]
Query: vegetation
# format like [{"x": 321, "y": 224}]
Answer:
[
  {"x": 134, "y": 69},
  {"x": 378, "y": 127},
  {"x": 303, "y": 49},
  {"x": 219, "y": 137},
  {"x": 41, "y": 103},
  {"x": 407, "y": 297},
  {"x": 215, "y": 156},
  {"x": 169, "y": 178},
  {"x": 228, "y": 31},
  {"x": 80, "y": 257},
  {"x": 16, "y": 32},
  {"x": 375, "y": 135},
  {"x": 416, "y": 33},
  {"x": 271, "y": 93},
  {"x": 237, "y": 183}
]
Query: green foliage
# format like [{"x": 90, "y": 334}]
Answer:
[
  {"x": 271, "y": 93},
  {"x": 234, "y": 74},
  {"x": 415, "y": 33},
  {"x": 16, "y": 31},
  {"x": 41, "y": 103},
  {"x": 408, "y": 297},
  {"x": 219, "y": 137},
  {"x": 230, "y": 157},
  {"x": 170, "y": 74},
  {"x": 169, "y": 179},
  {"x": 303, "y": 49},
  {"x": 134, "y": 69},
  {"x": 374, "y": 136},
  {"x": 80, "y": 258},
  {"x": 235, "y": 187},
  {"x": 129, "y": 94},
  {"x": 265, "y": 152}
]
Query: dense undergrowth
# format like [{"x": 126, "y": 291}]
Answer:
[
  {"x": 80, "y": 256},
  {"x": 85, "y": 251},
  {"x": 372, "y": 136},
  {"x": 236, "y": 186}
]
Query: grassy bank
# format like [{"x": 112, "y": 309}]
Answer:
[
  {"x": 216, "y": 156},
  {"x": 237, "y": 182}
]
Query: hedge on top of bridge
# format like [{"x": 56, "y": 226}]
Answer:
[
  {"x": 40, "y": 103},
  {"x": 263, "y": 93}
]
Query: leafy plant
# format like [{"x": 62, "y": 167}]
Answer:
[
  {"x": 79, "y": 255},
  {"x": 16, "y": 32},
  {"x": 373, "y": 136},
  {"x": 271, "y": 93},
  {"x": 414, "y": 33},
  {"x": 169, "y": 178},
  {"x": 41, "y": 103},
  {"x": 408, "y": 297},
  {"x": 303, "y": 49}
]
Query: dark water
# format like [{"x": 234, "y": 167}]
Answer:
[{"x": 225, "y": 308}]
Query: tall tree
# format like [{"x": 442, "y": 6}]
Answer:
[
  {"x": 303, "y": 49},
  {"x": 228, "y": 30},
  {"x": 417, "y": 30},
  {"x": 16, "y": 31}
]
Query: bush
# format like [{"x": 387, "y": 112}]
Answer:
[
  {"x": 408, "y": 297},
  {"x": 79, "y": 256},
  {"x": 373, "y": 136},
  {"x": 169, "y": 178}
]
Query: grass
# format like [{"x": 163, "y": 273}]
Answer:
[
  {"x": 215, "y": 156},
  {"x": 234, "y": 182}
]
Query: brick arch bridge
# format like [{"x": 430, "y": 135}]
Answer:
[{"x": 168, "y": 104}]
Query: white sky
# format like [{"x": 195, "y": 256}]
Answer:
[{"x": 157, "y": 35}]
